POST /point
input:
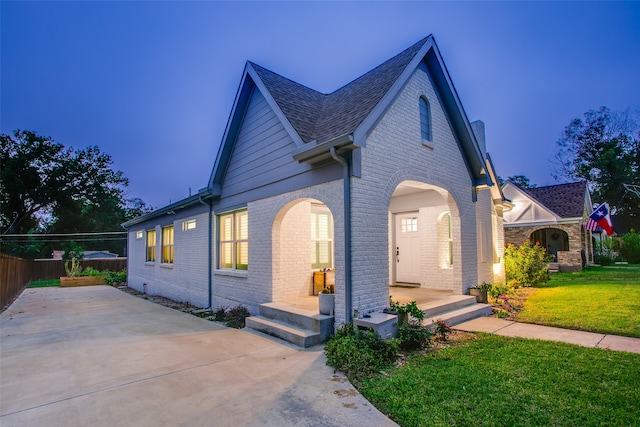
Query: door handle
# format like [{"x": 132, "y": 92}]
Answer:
[{"x": 397, "y": 254}]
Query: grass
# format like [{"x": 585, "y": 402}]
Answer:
[
  {"x": 597, "y": 299},
  {"x": 43, "y": 283},
  {"x": 495, "y": 380}
]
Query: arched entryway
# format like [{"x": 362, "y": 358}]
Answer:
[
  {"x": 424, "y": 236},
  {"x": 303, "y": 242},
  {"x": 553, "y": 239}
]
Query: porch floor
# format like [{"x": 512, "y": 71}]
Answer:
[{"x": 400, "y": 294}]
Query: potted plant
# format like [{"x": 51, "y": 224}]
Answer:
[
  {"x": 404, "y": 310},
  {"x": 480, "y": 292},
  {"x": 326, "y": 300},
  {"x": 323, "y": 278}
]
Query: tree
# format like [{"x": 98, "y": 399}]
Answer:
[
  {"x": 49, "y": 188},
  {"x": 604, "y": 149}
]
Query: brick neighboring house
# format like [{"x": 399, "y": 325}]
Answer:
[
  {"x": 384, "y": 180},
  {"x": 555, "y": 216}
]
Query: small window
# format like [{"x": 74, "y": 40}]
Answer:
[
  {"x": 234, "y": 241},
  {"x": 425, "y": 119},
  {"x": 189, "y": 225},
  {"x": 139, "y": 234},
  {"x": 151, "y": 246},
  {"x": 409, "y": 225},
  {"x": 167, "y": 245},
  {"x": 321, "y": 238}
]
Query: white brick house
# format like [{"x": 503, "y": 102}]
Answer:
[{"x": 385, "y": 180}]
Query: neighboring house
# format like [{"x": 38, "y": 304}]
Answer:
[
  {"x": 385, "y": 180},
  {"x": 555, "y": 216},
  {"x": 88, "y": 254}
]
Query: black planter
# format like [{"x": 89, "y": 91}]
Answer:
[{"x": 481, "y": 296}]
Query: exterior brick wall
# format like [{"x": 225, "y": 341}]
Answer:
[
  {"x": 186, "y": 280},
  {"x": 395, "y": 153}
]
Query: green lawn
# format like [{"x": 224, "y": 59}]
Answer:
[
  {"x": 43, "y": 283},
  {"x": 598, "y": 299},
  {"x": 496, "y": 380}
]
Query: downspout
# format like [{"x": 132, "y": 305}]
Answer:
[
  {"x": 209, "y": 272},
  {"x": 346, "y": 178}
]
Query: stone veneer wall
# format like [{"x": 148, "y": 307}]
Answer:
[{"x": 570, "y": 260}]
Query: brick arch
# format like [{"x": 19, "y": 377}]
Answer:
[{"x": 291, "y": 248}]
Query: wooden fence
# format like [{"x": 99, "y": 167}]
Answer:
[{"x": 16, "y": 273}]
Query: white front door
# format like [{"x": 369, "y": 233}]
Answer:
[{"x": 407, "y": 248}]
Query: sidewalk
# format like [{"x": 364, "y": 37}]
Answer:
[{"x": 508, "y": 328}]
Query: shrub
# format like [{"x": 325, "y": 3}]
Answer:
[
  {"x": 413, "y": 335},
  {"x": 527, "y": 263},
  {"x": 359, "y": 353},
  {"x": 114, "y": 277},
  {"x": 606, "y": 251},
  {"x": 235, "y": 316},
  {"x": 442, "y": 329},
  {"x": 630, "y": 247},
  {"x": 220, "y": 314}
]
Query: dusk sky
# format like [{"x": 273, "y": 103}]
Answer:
[{"x": 152, "y": 83}]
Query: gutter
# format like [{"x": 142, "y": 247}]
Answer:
[
  {"x": 209, "y": 251},
  {"x": 347, "y": 232}
]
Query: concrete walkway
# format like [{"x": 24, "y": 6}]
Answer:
[
  {"x": 96, "y": 356},
  {"x": 509, "y": 328}
]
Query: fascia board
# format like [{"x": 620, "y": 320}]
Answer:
[
  {"x": 179, "y": 205},
  {"x": 442, "y": 78},
  {"x": 230, "y": 131},
  {"x": 543, "y": 223},
  {"x": 274, "y": 105},
  {"x": 312, "y": 153}
]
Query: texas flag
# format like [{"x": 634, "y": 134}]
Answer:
[{"x": 600, "y": 217}]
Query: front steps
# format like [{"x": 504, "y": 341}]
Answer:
[
  {"x": 301, "y": 327},
  {"x": 554, "y": 267},
  {"x": 454, "y": 309},
  {"x": 306, "y": 328}
]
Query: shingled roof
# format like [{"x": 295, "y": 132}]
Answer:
[
  {"x": 565, "y": 200},
  {"x": 320, "y": 117}
]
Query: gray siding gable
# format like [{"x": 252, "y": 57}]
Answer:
[{"x": 261, "y": 154}]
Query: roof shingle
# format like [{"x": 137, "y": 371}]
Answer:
[
  {"x": 321, "y": 117},
  {"x": 565, "y": 200}
]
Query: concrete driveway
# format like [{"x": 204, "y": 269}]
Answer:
[{"x": 96, "y": 356}]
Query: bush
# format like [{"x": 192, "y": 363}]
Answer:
[
  {"x": 606, "y": 251},
  {"x": 528, "y": 263},
  {"x": 235, "y": 316},
  {"x": 413, "y": 335},
  {"x": 630, "y": 247},
  {"x": 220, "y": 314},
  {"x": 114, "y": 277},
  {"x": 359, "y": 353}
]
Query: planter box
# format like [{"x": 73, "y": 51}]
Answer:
[
  {"x": 326, "y": 304},
  {"x": 481, "y": 296},
  {"x": 67, "y": 282},
  {"x": 322, "y": 279}
]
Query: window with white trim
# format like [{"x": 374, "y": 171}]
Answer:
[
  {"x": 233, "y": 247},
  {"x": 167, "y": 245},
  {"x": 151, "y": 246},
  {"x": 321, "y": 237},
  {"x": 189, "y": 224}
]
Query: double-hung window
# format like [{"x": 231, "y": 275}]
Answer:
[
  {"x": 321, "y": 238},
  {"x": 167, "y": 245},
  {"x": 151, "y": 246},
  {"x": 234, "y": 240}
]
